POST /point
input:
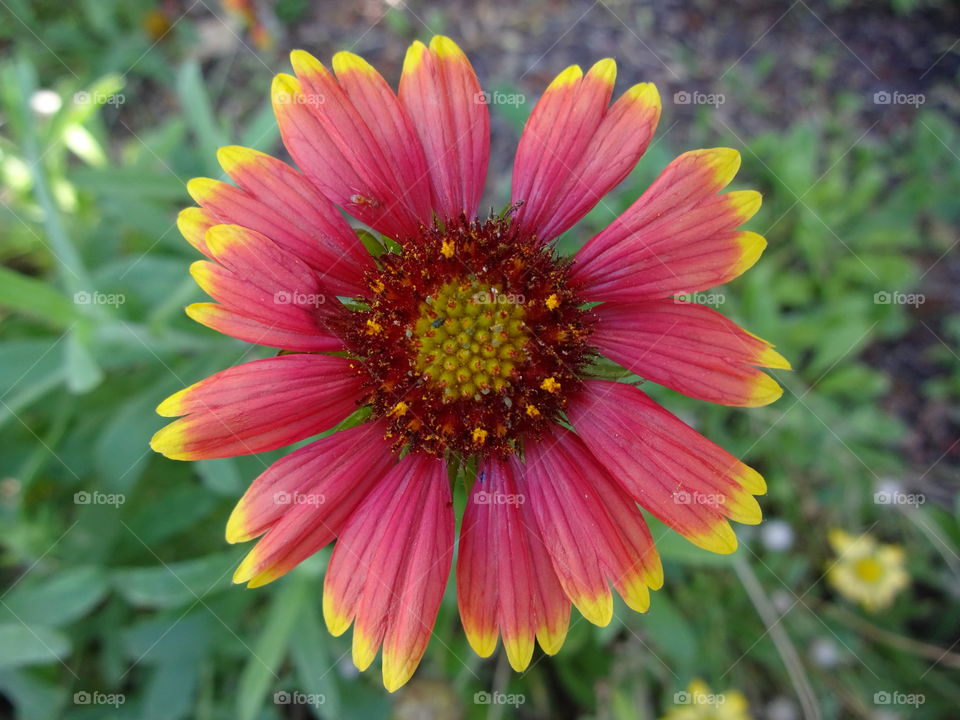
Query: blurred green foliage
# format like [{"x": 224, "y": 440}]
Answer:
[{"x": 113, "y": 559}]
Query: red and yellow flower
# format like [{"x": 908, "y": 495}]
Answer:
[{"x": 468, "y": 343}]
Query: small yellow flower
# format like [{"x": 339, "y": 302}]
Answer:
[
  {"x": 697, "y": 702},
  {"x": 866, "y": 571}
]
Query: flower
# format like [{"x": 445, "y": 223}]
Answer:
[
  {"x": 465, "y": 345},
  {"x": 865, "y": 571},
  {"x": 697, "y": 702}
]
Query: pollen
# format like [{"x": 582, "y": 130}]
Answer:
[
  {"x": 471, "y": 338},
  {"x": 550, "y": 385}
]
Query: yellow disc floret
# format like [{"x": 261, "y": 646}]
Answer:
[{"x": 471, "y": 338}]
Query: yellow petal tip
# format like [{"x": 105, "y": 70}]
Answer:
[
  {"x": 604, "y": 70},
  {"x": 752, "y": 246},
  {"x": 720, "y": 539},
  {"x": 396, "y": 675},
  {"x": 337, "y": 622},
  {"x": 646, "y": 94},
  {"x": 445, "y": 48},
  {"x": 345, "y": 62},
  {"x": 745, "y": 203},
  {"x": 770, "y": 358},
  {"x": 169, "y": 442},
  {"x": 765, "y": 391},
  {"x": 284, "y": 88},
  {"x": 173, "y": 406},
  {"x": 236, "y": 531},
  {"x": 232, "y": 157},
  {"x": 569, "y": 76},
  {"x": 725, "y": 162},
  {"x": 304, "y": 63},
  {"x": 364, "y": 650},
  {"x": 482, "y": 643},
  {"x": 201, "y": 188},
  {"x": 598, "y": 610}
]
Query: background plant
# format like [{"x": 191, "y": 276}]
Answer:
[{"x": 114, "y": 567}]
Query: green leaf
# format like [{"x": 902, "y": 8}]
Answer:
[
  {"x": 130, "y": 181},
  {"x": 33, "y": 697},
  {"x": 670, "y": 632},
  {"x": 373, "y": 244},
  {"x": 174, "y": 584},
  {"x": 58, "y": 600},
  {"x": 221, "y": 476},
  {"x": 122, "y": 451},
  {"x": 314, "y": 663},
  {"x": 35, "y": 298},
  {"x": 169, "y": 695},
  {"x": 260, "y": 671},
  {"x": 22, "y": 645},
  {"x": 199, "y": 111},
  {"x": 82, "y": 372}
]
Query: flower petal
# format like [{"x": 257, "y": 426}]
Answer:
[
  {"x": 665, "y": 465},
  {"x": 193, "y": 223},
  {"x": 593, "y": 532},
  {"x": 574, "y": 149},
  {"x": 439, "y": 90},
  {"x": 304, "y": 500},
  {"x": 332, "y": 142},
  {"x": 678, "y": 237},
  {"x": 390, "y": 566},
  {"x": 294, "y": 219},
  {"x": 690, "y": 348},
  {"x": 267, "y": 295},
  {"x": 308, "y": 224},
  {"x": 390, "y": 126},
  {"x": 260, "y": 405},
  {"x": 515, "y": 590}
]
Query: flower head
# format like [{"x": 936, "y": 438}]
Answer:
[
  {"x": 697, "y": 702},
  {"x": 865, "y": 571},
  {"x": 464, "y": 341}
]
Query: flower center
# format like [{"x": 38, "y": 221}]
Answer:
[
  {"x": 869, "y": 569},
  {"x": 471, "y": 340}
]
